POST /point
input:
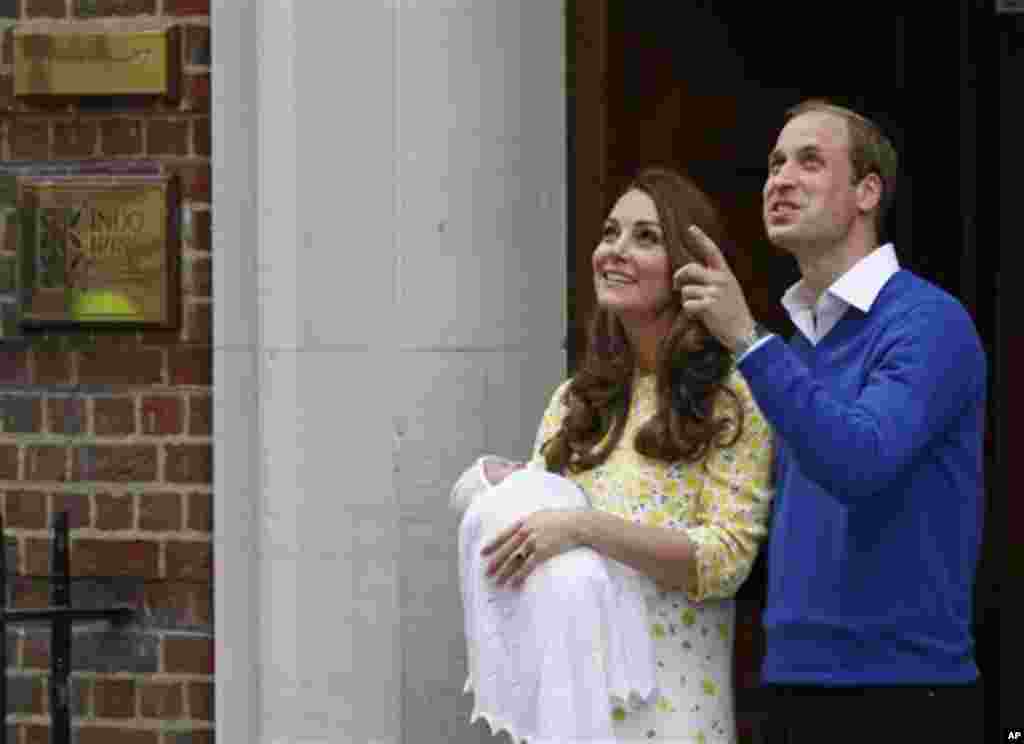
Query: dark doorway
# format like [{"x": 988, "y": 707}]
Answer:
[{"x": 704, "y": 86}]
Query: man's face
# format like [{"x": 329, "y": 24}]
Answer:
[{"x": 810, "y": 200}]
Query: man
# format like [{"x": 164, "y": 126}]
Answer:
[{"x": 877, "y": 403}]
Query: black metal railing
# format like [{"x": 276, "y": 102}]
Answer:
[{"x": 61, "y": 617}]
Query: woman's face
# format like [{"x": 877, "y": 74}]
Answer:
[{"x": 631, "y": 264}]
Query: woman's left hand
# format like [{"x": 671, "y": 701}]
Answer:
[{"x": 529, "y": 542}]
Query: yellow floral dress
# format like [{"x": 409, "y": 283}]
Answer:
[{"x": 723, "y": 504}]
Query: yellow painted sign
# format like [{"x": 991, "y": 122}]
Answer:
[
  {"x": 78, "y": 59},
  {"x": 98, "y": 250}
]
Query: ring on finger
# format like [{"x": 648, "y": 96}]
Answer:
[{"x": 518, "y": 575}]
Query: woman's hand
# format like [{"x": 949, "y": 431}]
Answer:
[{"x": 529, "y": 542}]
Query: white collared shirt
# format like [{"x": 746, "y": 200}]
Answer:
[{"x": 858, "y": 287}]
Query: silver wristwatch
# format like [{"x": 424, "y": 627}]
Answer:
[{"x": 744, "y": 344}]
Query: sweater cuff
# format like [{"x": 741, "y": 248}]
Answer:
[
  {"x": 760, "y": 356},
  {"x": 757, "y": 345}
]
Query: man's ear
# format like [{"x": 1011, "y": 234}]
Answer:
[{"x": 869, "y": 192}]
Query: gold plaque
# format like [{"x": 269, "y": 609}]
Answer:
[
  {"x": 98, "y": 250},
  {"x": 90, "y": 58}
]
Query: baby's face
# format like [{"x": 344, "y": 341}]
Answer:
[{"x": 497, "y": 471}]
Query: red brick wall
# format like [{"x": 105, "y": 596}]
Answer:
[{"x": 115, "y": 427}]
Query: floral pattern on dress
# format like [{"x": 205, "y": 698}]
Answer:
[{"x": 723, "y": 503}]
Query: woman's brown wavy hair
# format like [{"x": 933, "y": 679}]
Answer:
[{"x": 691, "y": 366}]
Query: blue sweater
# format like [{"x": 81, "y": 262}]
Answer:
[{"x": 876, "y": 523}]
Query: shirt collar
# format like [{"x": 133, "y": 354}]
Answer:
[{"x": 859, "y": 286}]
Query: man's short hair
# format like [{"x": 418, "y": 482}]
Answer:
[{"x": 870, "y": 150}]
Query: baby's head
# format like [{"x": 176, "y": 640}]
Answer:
[
  {"x": 486, "y": 471},
  {"x": 495, "y": 470}
]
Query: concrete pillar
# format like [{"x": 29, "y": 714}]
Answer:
[{"x": 390, "y": 259}]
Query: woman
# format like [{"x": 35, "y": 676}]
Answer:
[{"x": 664, "y": 436}]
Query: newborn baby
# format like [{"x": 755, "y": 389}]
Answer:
[{"x": 548, "y": 660}]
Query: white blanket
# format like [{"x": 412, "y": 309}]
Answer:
[{"x": 548, "y": 661}]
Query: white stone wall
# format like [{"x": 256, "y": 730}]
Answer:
[{"x": 390, "y": 253}]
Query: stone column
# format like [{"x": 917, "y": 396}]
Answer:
[{"x": 390, "y": 243}]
